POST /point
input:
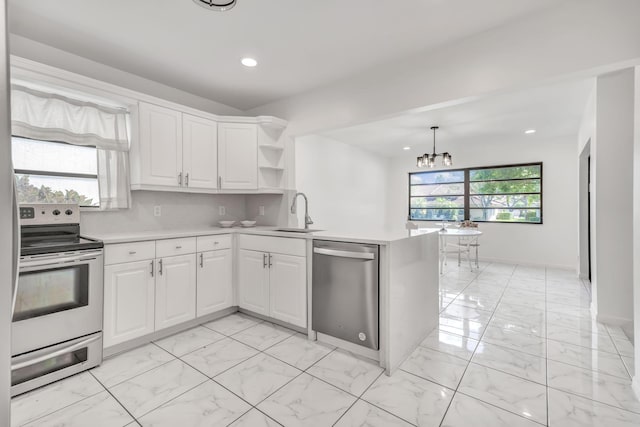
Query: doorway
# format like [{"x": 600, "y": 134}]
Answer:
[{"x": 584, "y": 215}]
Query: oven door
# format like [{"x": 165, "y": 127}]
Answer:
[{"x": 59, "y": 298}]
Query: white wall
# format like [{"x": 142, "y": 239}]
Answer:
[
  {"x": 636, "y": 232},
  {"x": 552, "y": 243},
  {"x": 612, "y": 196},
  {"x": 346, "y": 186}
]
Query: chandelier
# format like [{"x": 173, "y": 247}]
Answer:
[
  {"x": 218, "y": 5},
  {"x": 429, "y": 160}
]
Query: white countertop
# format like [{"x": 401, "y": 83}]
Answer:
[{"x": 378, "y": 237}]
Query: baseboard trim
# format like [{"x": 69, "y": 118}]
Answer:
[
  {"x": 528, "y": 263},
  {"x": 612, "y": 320}
]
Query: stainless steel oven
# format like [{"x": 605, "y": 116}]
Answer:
[{"x": 57, "y": 316}]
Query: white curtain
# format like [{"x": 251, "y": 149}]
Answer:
[{"x": 52, "y": 117}]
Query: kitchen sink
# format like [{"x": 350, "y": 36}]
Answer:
[{"x": 297, "y": 230}]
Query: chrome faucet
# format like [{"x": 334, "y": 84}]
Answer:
[{"x": 294, "y": 209}]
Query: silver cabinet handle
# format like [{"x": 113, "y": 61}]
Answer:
[
  {"x": 219, "y": 182},
  {"x": 132, "y": 252},
  {"x": 180, "y": 179},
  {"x": 201, "y": 260},
  {"x": 264, "y": 260},
  {"x": 270, "y": 261},
  {"x": 42, "y": 358},
  {"x": 160, "y": 267},
  {"x": 152, "y": 263},
  {"x": 344, "y": 254},
  {"x": 186, "y": 180},
  {"x": 178, "y": 247}
]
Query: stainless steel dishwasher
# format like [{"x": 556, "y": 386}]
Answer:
[{"x": 346, "y": 291}]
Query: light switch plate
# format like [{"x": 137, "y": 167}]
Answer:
[
  {"x": 261, "y": 210},
  {"x": 157, "y": 211},
  {"x": 222, "y": 211}
]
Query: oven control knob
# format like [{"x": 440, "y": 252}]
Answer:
[
  {"x": 56, "y": 212},
  {"x": 68, "y": 212}
]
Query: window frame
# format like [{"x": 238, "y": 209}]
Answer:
[
  {"x": 467, "y": 194},
  {"x": 37, "y": 172}
]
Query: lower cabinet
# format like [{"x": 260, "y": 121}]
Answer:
[
  {"x": 129, "y": 301},
  {"x": 288, "y": 289},
  {"x": 253, "y": 281},
  {"x": 214, "y": 281},
  {"x": 175, "y": 290},
  {"x": 273, "y": 285}
]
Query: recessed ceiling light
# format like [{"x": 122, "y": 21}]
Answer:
[
  {"x": 406, "y": 148},
  {"x": 249, "y": 62},
  {"x": 530, "y": 131}
]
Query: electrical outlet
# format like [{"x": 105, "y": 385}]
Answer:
[
  {"x": 222, "y": 211},
  {"x": 157, "y": 211},
  {"x": 261, "y": 210}
]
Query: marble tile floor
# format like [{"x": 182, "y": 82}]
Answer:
[{"x": 515, "y": 347}]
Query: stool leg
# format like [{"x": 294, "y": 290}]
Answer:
[{"x": 477, "y": 265}]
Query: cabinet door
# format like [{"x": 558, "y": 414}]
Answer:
[
  {"x": 253, "y": 281},
  {"x": 175, "y": 290},
  {"x": 160, "y": 145},
  {"x": 215, "y": 286},
  {"x": 238, "y": 156},
  {"x": 129, "y": 301},
  {"x": 200, "y": 152},
  {"x": 288, "y": 289}
]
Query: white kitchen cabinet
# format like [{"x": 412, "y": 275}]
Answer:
[
  {"x": 200, "y": 152},
  {"x": 214, "y": 281},
  {"x": 288, "y": 288},
  {"x": 272, "y": 277},
  {"x": 253, "y": 281},
  {"x": 238, "y": 156},
  {"x": 129, "y": 301},
  {"x": 160, "y": 145},
  {"x": 175, "y": 290}
]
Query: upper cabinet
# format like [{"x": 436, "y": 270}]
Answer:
[
  {"x": 160, "y": 148},
  {"x": 180, "y": 151},
  {"x": 200, "y": 152},
  {"x": 238, "y": 161}
]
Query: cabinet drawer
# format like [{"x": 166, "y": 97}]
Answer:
[
  {"x": 172, "y": 247},
  {"x": 212, "y": 243},
  {"x": 279, "y": 245},
  {"x": 129, "y": 252}
]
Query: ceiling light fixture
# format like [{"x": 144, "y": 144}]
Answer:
[
  {"x": 406, "y": 148},
  {"x": 530, "y": 131},
  {"x": 429, "y": 160},
  {"x": 217, "y": 5},
  {"x": 249, "y": 62}
]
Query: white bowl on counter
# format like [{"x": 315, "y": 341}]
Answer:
[
  {"x": 247, "y": 224},
  {"x": 226, "y": 224}
]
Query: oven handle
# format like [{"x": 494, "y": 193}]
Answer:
[
  {"x": 60, "y": 352},
  {"x": 16, "y": 244},
  {"x": 74, "y": 259}
]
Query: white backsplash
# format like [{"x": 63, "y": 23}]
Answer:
[{"x": 187, "y": 210}]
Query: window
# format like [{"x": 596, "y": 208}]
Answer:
[
  {"x": 511, "y": 193},
  {"x": 55, "y": 172}
]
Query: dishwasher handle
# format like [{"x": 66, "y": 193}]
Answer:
[{"x": 344, "y": 254}]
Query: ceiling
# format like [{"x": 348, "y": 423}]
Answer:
[
  {"x": 299, "y": 44},
  {"x": 553, "y": 111}
]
